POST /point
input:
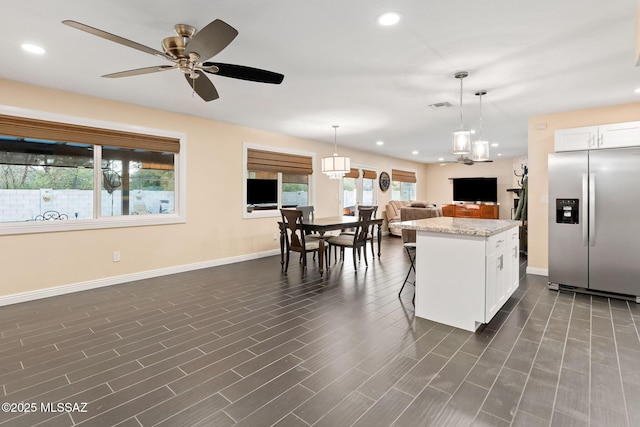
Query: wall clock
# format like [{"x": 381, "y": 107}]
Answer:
[{"x": 385, "y": 181}]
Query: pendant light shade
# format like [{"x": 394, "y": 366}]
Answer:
[
  {"x": 480, "y": 151},
  {"x": 462, "y": 136},
  {"x": 336, "y": 166}
]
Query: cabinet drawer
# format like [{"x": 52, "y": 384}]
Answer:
[{"x": 497, "y": 242}]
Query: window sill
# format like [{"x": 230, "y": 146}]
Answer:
[{"x": 89, "y": 224}]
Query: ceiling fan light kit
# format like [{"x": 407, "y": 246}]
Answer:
[
  {"x": 336, "y": 166},
  {"x": 462, "y": 136},
  {"x": 187, "y": 50}
]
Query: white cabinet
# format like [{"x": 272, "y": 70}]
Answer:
[
  {"x": 497, "y": 271},
  {"x": 464, "y": 280},
  {"x": 597, "y": 137}
]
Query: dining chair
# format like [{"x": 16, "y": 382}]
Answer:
[
  {"x": 295, "y": 239},
  {"x": 371, "y": 230},
  {"x": 357, "y": 240}
]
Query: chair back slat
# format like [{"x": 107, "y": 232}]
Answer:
[
  {"x": 292, "y": 221},
  {"x": 362, "y": 229}
]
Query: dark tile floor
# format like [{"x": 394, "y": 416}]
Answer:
[{"x": 245, "y": 344}]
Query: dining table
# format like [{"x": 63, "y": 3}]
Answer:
[{"x": 322, "y": 225}]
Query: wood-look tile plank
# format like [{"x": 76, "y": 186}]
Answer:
[
  {"x": 260, "y": 378},
  {"x": 504, "y": 396},
  {"x": 462, "y": 407},
  {"x": 422, "y": 411},
  {"x": 326, "y": 399},
  {"x": 386, "y": 410},
  {"x": 346, "y": 412},
  {"x": 254, "y": 400}
]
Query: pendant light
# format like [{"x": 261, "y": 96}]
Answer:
[
  {"x": 480, "y": 151},
  {"x": 336, "y": 166},
  {"x": 462, "y": 136}
]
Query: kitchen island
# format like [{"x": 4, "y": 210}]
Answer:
[{"x": 466, "y": 269}]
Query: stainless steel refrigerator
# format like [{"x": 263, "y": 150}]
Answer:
[{"x": 594, "y": 220}]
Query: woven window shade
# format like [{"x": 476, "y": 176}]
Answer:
[
  {"x": 22, "y": 127},
  {"x": 367, "y": 174},
  {"x": 353, "y": 173},
  {"x": 259, "y": 160},
  {"x": 403, "y": 176}
]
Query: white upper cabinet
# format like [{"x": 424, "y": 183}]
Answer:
[
  {"x": 619, "y": 135},
  {"x": 596, "y": 137}
]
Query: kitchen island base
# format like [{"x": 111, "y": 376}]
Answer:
[{"x": 463, "y": 280}]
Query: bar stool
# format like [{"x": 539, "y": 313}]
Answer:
[{"x": 410, "y": 247}]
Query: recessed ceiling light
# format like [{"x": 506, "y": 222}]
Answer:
[
  {"x": 637, "y": 90},
  {"x": 495, "y": 144},
  {"x": 499, "y": 154},
  {"x": 388, "y": 19},
  {"x": 440, "y": 159},
  {"x": 415, "y": 152},
  {"x": 380, "y": 143},
  {"x": 32, "y": 48}
]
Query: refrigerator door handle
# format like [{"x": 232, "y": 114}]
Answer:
[
  {"x": 592, "y": 209},
  {"x": 585, "y": 198}
]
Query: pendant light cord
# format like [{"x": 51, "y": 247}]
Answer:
[
  {"x": 461, "y": 121},
  {"x": 335, "y": 140},
  {"x": 480, "y": 110}
]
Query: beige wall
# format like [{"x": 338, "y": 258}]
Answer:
[
  {"x": 439, "y": 188},
  {"x": 541, "y": 141},
  {"x": 214, "y": 229}
]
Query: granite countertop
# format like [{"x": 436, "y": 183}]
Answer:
[{"x": 466, "y": 226}]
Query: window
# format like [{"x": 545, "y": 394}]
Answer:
[
  {"x": 403, "y": 185},
  {"x": 358, "y": 189},
  {"x": 58, "y": 167},
  {"x": 275, "y": 179},
  {"x": 350, "y": 192},
  {"x": 147, "y": 178},
  {"x": 369, "y": 194}
]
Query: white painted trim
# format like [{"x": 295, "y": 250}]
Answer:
[
  {"x": 538, "y": 271},
  {"x": 115, "y": 280}
]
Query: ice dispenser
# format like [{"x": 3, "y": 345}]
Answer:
[{"x": 567, "y": 211}]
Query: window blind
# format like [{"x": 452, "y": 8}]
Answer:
[
  {"x": 353, "y": 173},
  {"x": 403, "y": 176},
  {"x": 22, "y": 127},
  {"x": 260, "y": 160},
  {"x": 369, "y": 174}
]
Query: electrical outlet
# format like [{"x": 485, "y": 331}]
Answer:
[
  {"x": 275, "y": 236},
  {"x": 116, "y": 256}
]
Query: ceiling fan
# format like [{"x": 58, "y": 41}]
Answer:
[
  {"x": 466, "y": 161},
  {"x": 187, "y": 51}
]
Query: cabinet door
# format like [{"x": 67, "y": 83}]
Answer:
[
  {"x": 576, "y": 138},
  {"x": 512, "y": 259},
  {"x": 619, "y": 135},
  {"x": 495, "y": 285}
]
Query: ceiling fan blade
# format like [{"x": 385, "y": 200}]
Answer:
[
  {"x": 245, "y": 73},
  {"x": 114, "y": 38},
  {"x": 212, "y": 39},
  {"x": 203, "y": 86},
  {"x": 139, "y": 71}
]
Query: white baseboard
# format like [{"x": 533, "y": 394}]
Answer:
[
  {"x": 115, "y": 280},
  {"x": 538, "y": 271}
]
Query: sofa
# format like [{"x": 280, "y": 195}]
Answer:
[
  {"x": 392, "y": 212},
  {"x": 413, "y": 213}
]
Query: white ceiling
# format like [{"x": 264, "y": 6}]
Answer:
[{"x": 341, "y": 67}]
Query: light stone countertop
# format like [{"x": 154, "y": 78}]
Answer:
[{"x": 465, "y": 226}]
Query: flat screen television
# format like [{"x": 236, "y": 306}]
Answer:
[
  {"x": 473, "y": 190},
  {"x": 262, "y": 191}
]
